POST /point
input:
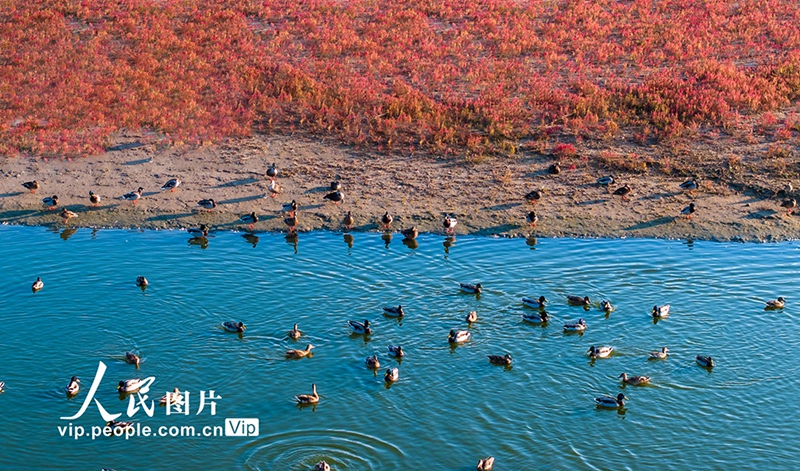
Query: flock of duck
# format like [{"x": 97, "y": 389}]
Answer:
[{"x": 537, "y": 315}]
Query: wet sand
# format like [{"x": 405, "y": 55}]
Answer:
[{"x": 486, "y": 196}]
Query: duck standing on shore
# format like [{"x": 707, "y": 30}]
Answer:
[
  {"x": 207, "y": 204},
  {"x": 386, "y": 220},
  {"x": 336, "y": 196},
  {"x": 51, "y": 202},
  {"x": 171, "y": 184},
  {"x": 689, "y": 185},
  {"x": 66, "y": 214},
  {"x": 348, "y": 221},
  {"x": 93, "y": 198},
  {"x": 133, "y": 196},
  {"x": 789, "y": 204},
  {"x": 532, "y": 219},
  {"x": 689, "y": 210},
  {"x": 606, "y": 181},
  {"x": 290, "y": 208},
  {"x": 533, "y": 196},
  {"x": 249, "y": 219},
  {"x": 623, "y": 191},
  {"x": 274, "y": 189},
  {"x": 31, "y": 185},
  {"x": 449, "y": 223},
  {"x": 272, "y": 172},
  {"x": 292, "y": 222}
]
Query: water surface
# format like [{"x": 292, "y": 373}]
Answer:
[{"x": 450, "y": 407}]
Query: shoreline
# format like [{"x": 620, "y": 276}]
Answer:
[{"x": 487, "y": 196}]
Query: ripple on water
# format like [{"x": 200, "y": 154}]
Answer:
[{"x": 299, "y": 450}]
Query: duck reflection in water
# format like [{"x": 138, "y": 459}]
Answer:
[
  {"x": 531, "y": 242},
  {"x": 448, "y": 242},
  {"x": 201, "y": 242},
  {"x": 348, "y": 239},
  {"x": 67, "y": 233},
  {"x": 387, "y": 238},
  {"x": 251, "y": 239},
  {"x": 292, "y": 239},
  {"x": 411, "y": 243}
]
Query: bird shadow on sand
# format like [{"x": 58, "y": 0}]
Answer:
[
  {"x": 761, "y": 214},
  {"x": 18, "y": 214},
  {"x": 138, "y": 162},
  {"x": 9, "y": 195},
  {"x": 319, "y": 189},
  {"x": 497, "y": 229},
  {"x": 243, "y": 199},
  {"x": 150, "y": 193},
  {"x": 169, "y": 217},
  {"x": 126, "y": 146},
  {"x": 501, "y": 207},
  {"x": 590, "y": 202},
  {"x": 240, "y": 182},
  {"x": 309, "y": 207},
  {"x": 648, "y": 224}
]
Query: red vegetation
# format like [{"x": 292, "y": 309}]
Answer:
[{"x": 443, "y": 76}]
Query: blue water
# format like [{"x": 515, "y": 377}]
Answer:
[{"x": 450, "y": 407}]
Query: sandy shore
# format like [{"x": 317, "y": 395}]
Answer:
[{"x": 486, "y": 197}]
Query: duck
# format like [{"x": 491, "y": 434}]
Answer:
[
  {"x": 776, "y": 303},
  {"x": 689, "y": 185},
  {"x": 322, "y": 466},
  {"x": 611, "y": 401},
  {"x": 533, "y": 197},
  {"x": 785, "y": 191},
  {"x": 660, "y": 311},
  {"x": 118, "y": 425},
  {"x": 2, "y": 385},
  {"x": 459, "y": 336},
  {"x": 659, "y": 355},
  {"x": 394, "y": 311},
  {"x": 290, "y": 207},
  {"x": 606, "y": 180},
  {"x": 396, "y": 351},
  {"x": 470, "y": 288},
  {"x": 201, "y": 231},
  {"x": 359, "y": 328},
  {"x": 32, "y": 185},
  {"x": 295, "y": 333},
  {"x": 606, "y": 305},
  {"x": 312, "y": 398},
  {"x": 386, "y": 220},
  {"x": 372, "y": 362},
  {"x": 232, "y": 326},
  {"x": 293, "y": 353},
  {"x": 51, "y": 202},
  {"x": 704, "y": 361},
  {"x": 532, "y": 219},
  {"x": 578, "y": 301},
  {"x": 336, "y": 185},
  {"x": 38, "y": 284},
  {"x": 634, "y": 380},
  {"x": 449, "y": 224},
  {"x": 336, "y": 196},
  {"x": 391, "y": 375},
  {"x": 249, "y": 219},
  {"x": 789, "y": 204},
  {"x": 689, "y": 210},
  {"x": 500, "y": 359},
  {"x": 73, "y": 387},
  {"x": 623, "y": 191},
  {"x": 93, "y": 198},
  {"x": 535, "y": 303},
  {"x": 133, "y": 195},
  {"x": 472, "y": 316},
  {"x": 272, "y": 172},
  {"x": 141, "y": 281},
  {"x": 174, "y": 397},
  {"x": 292, "y": 222},
  {"x": 132, "y": 358},
  {"x": 130, "y": 385},
  {"x": 554, "y": 169},
  {"x": 485, "y": 464},
  {"x": 600, "y": 352},
  {"x": 536, "y": 317},
  {"x": 410, "y": 234},
  {"x": 171, "y": 184},
  {"x": 348, "y": 221},
  {"x": 579, "y": 326},
  {"x": 208, "y": 204}
]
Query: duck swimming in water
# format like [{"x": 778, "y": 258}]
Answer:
[
  {"x": 132, "y": 358},
  {"x": 579, "y": 326},
  {"x": 660, "y": 311},
  {"x": 201, "y": 231},
  {"x": 359, "y": 328},
  {"x": 706, "y": 362},
  {"x": 372, "y": 362},
  {"x": 470, "y": 288},
  {"x": 312, "y": 398},
  {"x": 232, "y": 326},
  {"x": 600, "y": 352},
  {"x": 174, "y": 397},
  {"x": 606, "y": 306},
  {"x": 472, "y": 316},
  {"x": 536, "y": 317},
  {"x": 459, "y": 336},
  {"x": 535, "y": 303},
  {"x": 485, "y": 464},
  {"x": 611, "y": 401},
  {"x": 141, "y": 281},
  {"x": 295, "y": 333},
  {"x": 396, "y": 351},
  {"x": 130, "y": 385},
  {"x": 37, "y": 285},
  {"x": 776, "y": 303},
  {"x": 578, "y": 301},
  {"x": 659, "y": 355},
  {"x": 73, "y": 387},
  {"x": 322, "y": 466},
  {"x": 394, "y": 311},
  {"x": 500, "y": 359},
  {"x": 392, "y": 375},
  {"x": 410, "y": 234},
  {"x": 293, "y": 353}
]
